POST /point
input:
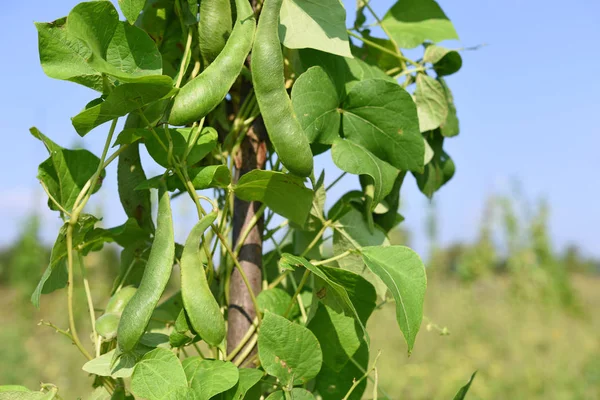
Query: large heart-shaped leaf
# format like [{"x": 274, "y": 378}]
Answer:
[
  {"x": 158, "y": 376},
  {"x": 403, "y": 272},
  {"x": 207, "y": 378},
  {"x": 288, "y": 351}
]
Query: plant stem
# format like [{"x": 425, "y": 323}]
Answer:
[
  {"x": 361, "y": 369},
  {"x": 184, "y": 63},
  {"x": 334, "y": 258},
  {"x": 54, "y": 200},
  {"x": 297, "y": 292},
  {"x": 247, "y": 350},
  {"x": 403, "y": 60},
  {"x": 72, "y": 327},
  {"x": 243, "y": 341},
  {"x": 357, "y": 382},
  {"x": 90, "y": 302}
]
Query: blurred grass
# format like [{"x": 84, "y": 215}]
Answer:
[{"x": 522, "y": 349}]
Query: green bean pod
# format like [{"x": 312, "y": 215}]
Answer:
[
  {"x": 202, "y": 309},
  {"x": 202, "y": 94},
  {"x": 138, "y": 311},
  {"x": 107, "y": 325},
  {"x": 214, "y": 28},
  {"x": 284, "y": 129},
  {"x": 119, "y": 300}
]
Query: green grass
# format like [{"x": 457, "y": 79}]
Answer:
[{"x": 522, "y": 349}]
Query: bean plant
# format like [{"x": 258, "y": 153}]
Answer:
[{"x": 233, "y": 100}]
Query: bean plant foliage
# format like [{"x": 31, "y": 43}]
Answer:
[{"x": 202, "y": 87}]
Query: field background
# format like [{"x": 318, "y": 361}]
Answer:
[{"x": 509, "y": 305}]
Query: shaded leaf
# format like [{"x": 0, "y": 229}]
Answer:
[
  {"x": 66, "y": 172},
  {"x": 353, "y": 232},
  {"x": 431, "y": 103},
  {"x": 285, "y": 194},
  {"x": 439, "y": 171},
  {"x": 333, "y": 385},
  {"x": 207, "y": 140},
  {"x": 355, "y": 159},
  {"x": 122, "y": 100},
  {"x": 450, "y": 127},
  {"x": 277, "y": 301},
  {"x": 445, "y": 61},
  {"x": 295, "y": 394},
  {"x": 249, "y": 378}
]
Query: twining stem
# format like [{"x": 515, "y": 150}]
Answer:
[
  {"x": 195, "y": 136},
  {"x": 184, "y": 63},
  {"x": 247, "y": 350},
  {"x": 297, "y": 292},
  {"x": 243, "y": 341},
  {"x": 366, "y": 374},
  {"x": 90, "y": 302},
  {"x": 334, "y": 258},
  {"x": 72, "y": 327},
  {"x": 248, "y": 228},
  {"x": 364, "y": 371},
  {"x": 53, "y": 200}
]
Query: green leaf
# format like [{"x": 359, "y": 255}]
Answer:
[
  {"x": 119, "y": 49},
  {"x": 127, "y": 235},
  {"x": 207, "y": 378},
  {"x": 354, "y": 232},
  {"x": 285, "y": 194},
  {"x": 207, "y": 140},
  {"x": 130, "y": 136},
  {"x": 15, "y": 392},
  {"x": 431, "y": 103},
  {"x": 318, "y": 25},
  {"x": 439, "y": 171},
  {"x": 122, "y": 100},
  {"x": 65, "y": 57},
  {"x": 388, "y": 220},
  {"x": 355, "y": 159},
  {"x": 101, "y": 366},
  {"x": 131, "y": 9},
  {"x": 339, "y": 334},
  {"x": 55, "y": 276},
  {"x": 66, "y": 172},
  {"x": 450, "y": 127},
  {"x": 100, "y": 393},
  {"x": 382, "y": 117},
  {"x": 212, "y": 176},
  {"x": 460, "y": 395},
  {"x": 316, "y": 101},
  {"x": 331, "y": 292},
  {"x": 288, "y": 351},
  {"x": 295, "y": 394},
  {"x": 159, "y": 375},
  {"x": 249, "y": 377},
  {"x": 412, "y": 22},
  {"x": 403, "y": 272},
  {"x": 333, "y": 385},
  {"x": 13, "y": 388},
  {"x": 276, "y": 301},
  {"x": 374, "y": 56},
  {"x": 445, "y": 61}
]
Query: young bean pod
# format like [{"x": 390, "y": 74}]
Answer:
[
  {"x": 108, "y": 323},
  {"x": 203, "y": 93},
  {"x": 214, "y": 28},
  {"x": 138, "y": 311},
  {"x": 202, "y": 309},
  {"x": 284, "y": 129}
]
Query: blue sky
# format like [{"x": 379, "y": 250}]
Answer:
[{"x": 526, "y": 103}]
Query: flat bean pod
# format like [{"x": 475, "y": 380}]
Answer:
[
  {"x": 200, "y": 305},
  {"x": 284, "y": 129},
  {"x": 202, "y": 94},
  {"x": 138, "y": 311},
  {"x": 214, "y": 28}
]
